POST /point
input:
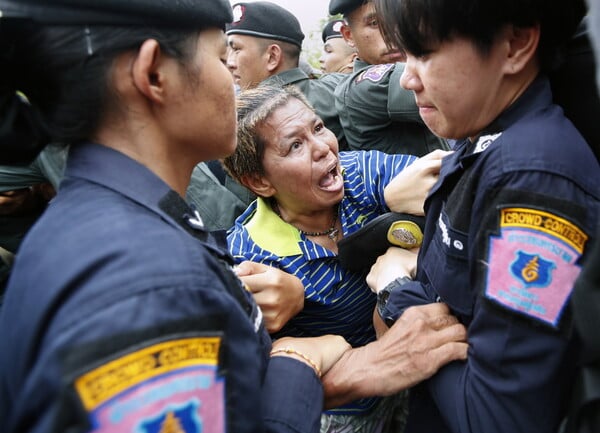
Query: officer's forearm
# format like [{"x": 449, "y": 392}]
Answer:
[
  {"x": 372, "y": 370},
  {"x": 349, "y": 378},
  {"x": 422, "y": 340}
]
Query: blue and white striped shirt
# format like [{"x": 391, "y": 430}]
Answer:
[{"x": 337, "y": 301}]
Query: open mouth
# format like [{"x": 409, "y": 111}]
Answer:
[{"x": 332, "y": 180}]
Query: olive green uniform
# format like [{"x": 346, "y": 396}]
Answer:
[{"x": 376, "y": 113}]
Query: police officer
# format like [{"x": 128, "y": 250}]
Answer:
[
  {"x": 511, "y": 218},
  {"x": 122, "y": 312},
  {"x": 265, "y": 42},
  {"x": 375, "y": 113},
  {"x": 337, "y": 55}
]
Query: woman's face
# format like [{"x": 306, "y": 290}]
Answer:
[
  {"x": 301, "y": 159},
  {"x": 459, "y": 91},
  {"x": 205, "y": 116}
]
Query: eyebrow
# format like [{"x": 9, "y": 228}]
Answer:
[
  {"x": 315, "y": 119},
  {"x": 369, "y": 17}
]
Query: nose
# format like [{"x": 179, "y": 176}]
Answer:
[
  {"x": 321, "y": 146},
  {"x": 409, "y": 78},
  {"x": 231, "y": 61}
]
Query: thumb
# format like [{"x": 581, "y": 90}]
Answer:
[{"x": 244, "y": 268}]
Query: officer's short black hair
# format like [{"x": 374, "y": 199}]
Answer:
[
  {"x": 74, "y": 43},
  {"x": 344, "y": 7},
  {"x": 418, "y": 25},
  {"x": 265, "y": 20},
  {"x": 332, "y": 30}
]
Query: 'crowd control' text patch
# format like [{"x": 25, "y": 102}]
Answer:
[
  {"x": 170, "y": 386},
  {"x": 532, "y": 263}
]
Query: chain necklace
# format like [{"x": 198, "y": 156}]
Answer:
[{"x": 331, "y": 232}]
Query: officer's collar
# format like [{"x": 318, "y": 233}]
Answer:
[
  {"x": 537, "y": 95},
  {"x": 359, "y": 65},
  {"x": 286, "y": 77},
  {"x": 108, "y": 167},
  {"x": 116, "y": 171}
]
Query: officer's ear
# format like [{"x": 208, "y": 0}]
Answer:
[
  {"x": 346, "y": 32},
  {"x": 274, "y": 57},
  {"x": 148, "y": 71},
  {"x": 521, "y": 46},
  {"x": 258, "y": 184}
]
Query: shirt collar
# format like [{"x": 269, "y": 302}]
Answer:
[{"x": 271, "y": 233}]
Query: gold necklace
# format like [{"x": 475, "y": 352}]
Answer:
[{"x": 331, "y": 232}]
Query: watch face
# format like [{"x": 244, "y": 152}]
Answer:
[{"x": 382, "y": 298}]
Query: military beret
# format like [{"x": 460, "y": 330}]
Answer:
[
  {"x": 344, "y": 6},
  {"x": 159, "y": 13},
  {"x": 332, "y": 30},
  {"x": 265, "y": 20}
]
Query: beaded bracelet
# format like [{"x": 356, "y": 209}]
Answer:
[{"x": 312, "y": 363}]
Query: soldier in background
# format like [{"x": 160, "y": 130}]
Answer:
[
  {"x": 375, "y": 112},
  {"x": 337, "y": 56},
  {"x": 265, "y": 42}
]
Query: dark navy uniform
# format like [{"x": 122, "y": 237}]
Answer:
[
  {"x": 507, "y": 226},
  {"x": 378, "y": 116},
  {"x": 122, "y": 314}
]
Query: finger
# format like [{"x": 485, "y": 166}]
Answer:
[
  {"x": 254, "y": 282},
  {"x": 431, "y": 166},
  {"x": 451, "y": 334},
  {"x": 441, "y": 322},
  {"x": 242, "y": 269},
  {"x": 453, "y": 351},
  {"x": 260, "y": 298},
  {"x": 248, "y": 267},
  {"x": 437, "y": 154},
  {"x": 429, "y": 310}
]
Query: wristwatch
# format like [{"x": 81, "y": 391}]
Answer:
[{"x": 384, "y": 295}]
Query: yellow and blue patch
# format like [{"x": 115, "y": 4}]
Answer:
[
  {"x": 171, "y": 386},
  {"x": 533, "y": 263}
]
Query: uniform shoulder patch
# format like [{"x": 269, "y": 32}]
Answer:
[
  {"x": 170, "y": 386},
  {"x": 532, "y": 263},
  {"x": 374, "y": 73}
]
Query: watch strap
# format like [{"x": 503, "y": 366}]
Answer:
[{"x": 383, "y": 297}]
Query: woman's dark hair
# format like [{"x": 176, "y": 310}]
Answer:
[
  {"x": 254, "y": 107},
  {"x": 419, "y": 25},
  {"x": 63, "y": 70}
]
